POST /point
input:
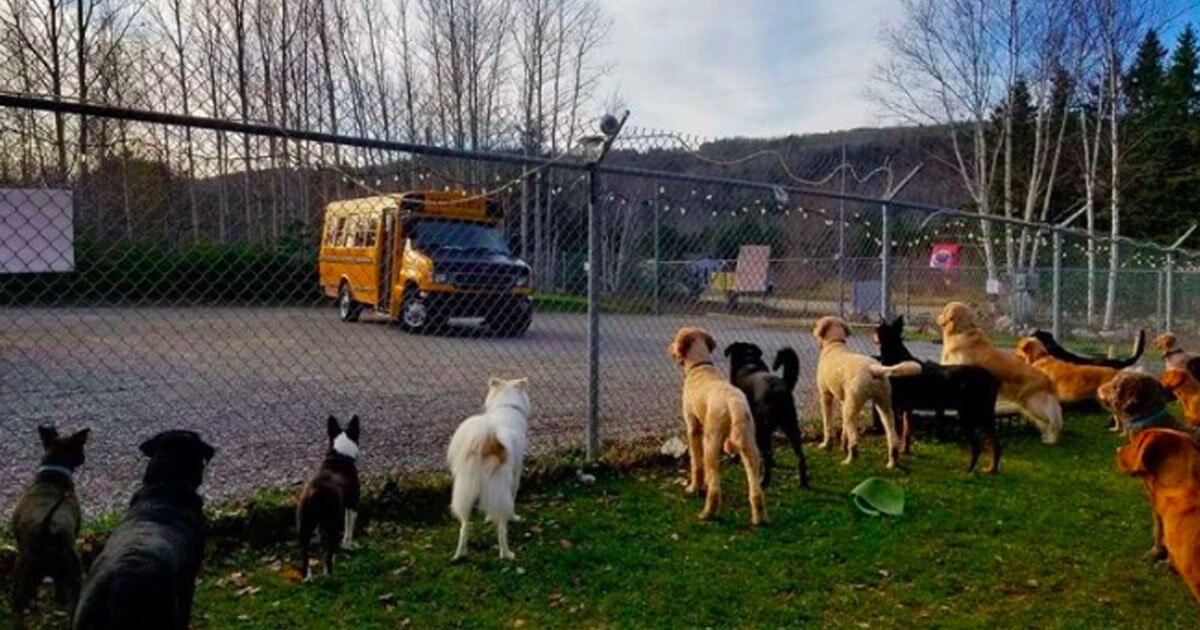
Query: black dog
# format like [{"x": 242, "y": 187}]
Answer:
[
  {"x": 329, "y": 501},
  {"x": 1061, "y": 353},
  {"x": 146, "y": 575},
  {"x": 968, "y": 390},
  {"x": 46, "y": 524},
  {"x": 770, "y": 400}
]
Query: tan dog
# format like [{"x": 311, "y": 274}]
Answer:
[
  {"x": 1184, "y": 386},
  {"x": 1174, "y": 356},
  {"x": 854, "y": 379},
  {"x": 1168, "y": 462},
  {"x": 1073, "y": 383},
  {"x": 964, "y": 343},
  {"x": 717, "y": 417}
]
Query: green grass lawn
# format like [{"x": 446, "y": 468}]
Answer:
[{"x": 1054, "y": 541}]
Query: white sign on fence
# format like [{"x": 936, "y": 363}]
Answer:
[{"x": 37, "y": 230}]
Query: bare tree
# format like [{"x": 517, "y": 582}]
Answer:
[{"x": 945, "y": 68}]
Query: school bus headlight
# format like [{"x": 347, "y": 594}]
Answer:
[{"x": 441, "y": 277}]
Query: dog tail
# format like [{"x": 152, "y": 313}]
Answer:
[
  {"x": 905, "y": 368},
  {"x": 482, "y": 469},
  {"x": 44, "y": 528},
  {"x": 790, "y": 362},
  {"x": 1046, "y": 408},
  {"x": 1139, "y": 348}
]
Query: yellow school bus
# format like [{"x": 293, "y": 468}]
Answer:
[{"x": 423, "y": 257}]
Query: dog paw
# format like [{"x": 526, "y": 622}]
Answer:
[
  {"x": 516, "y": 519},
  {"x": 507, "y": 555},
  {"x": 825, "y": 445},
  {"x": 458, "y": 558},
  {"x": 704, "y": 515},
  {"x": 1156, "y": 554},
  {"x": 348, "y": 545}
]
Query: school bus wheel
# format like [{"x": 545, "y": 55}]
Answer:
[
  {"x": 348, "y": 309},
  {"x": 416, "y": 312}
]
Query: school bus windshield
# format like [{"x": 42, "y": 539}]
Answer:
[{"x": 440, "y": 235}]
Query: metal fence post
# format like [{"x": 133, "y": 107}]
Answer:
[
  {"x": 1169, "y": 316},
  {"x": 611, "y": 128},
  {"x": 657, "y": 209},
  {"x": 1169, "y": 297},
  {"x": 593, "y": 312},
  {"x": 1056, "y": 298},
  {"x": 885, "y": 267},
  {"x": 842, "y": 241}
]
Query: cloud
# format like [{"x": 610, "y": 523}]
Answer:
[{"x": 755, "y": 67}]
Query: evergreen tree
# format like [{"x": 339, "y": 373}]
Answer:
[{"x": 1144, "y": 85}]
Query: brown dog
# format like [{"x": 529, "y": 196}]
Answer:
[
  {"x": 1137, "y": 402},
  {"x": 1073, "y": 383},
  {"x": 46, "y": 524},
  {"x": 716, "y": 416},
  {"x": 1168, "y": 462},
  {"x": 1184, "y": 386},
  {"x": 964, "y": 343},
  {"x": 854, "y": 379}
]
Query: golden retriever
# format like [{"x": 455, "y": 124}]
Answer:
[
  {"x": 964, "y": 343},
  {"x": 1168, "y": 462},
  {"x": 717, "y": 417},
  {"x": 854, "y": 379},
  {"x": 1073, "y": 383},
  {"x": 1184, "y": 386}
]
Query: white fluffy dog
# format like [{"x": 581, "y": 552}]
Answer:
[{"x": 485, "y": 458}]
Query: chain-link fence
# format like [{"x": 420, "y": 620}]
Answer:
[{"x": 246, "y": 280}]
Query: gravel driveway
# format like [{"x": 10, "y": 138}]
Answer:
[{"x": 258, "y": 383}]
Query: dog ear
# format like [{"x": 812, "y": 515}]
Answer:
[
  {"x": 520, "y": 383},
  {"x": 48, "y": 433},
  {"x": 352, "y": 429},
  {"x": 709, "y": 341},
  {"x": 79, "y": 438},
  {"x": 1172, "y": 379},
  {"x": 821, "y": 328},
  {"x": 332, "y": 428},
  {"x": 1151, "y": 450},
  {"x": 729, "y": 349},
  {"x": 898, "y": 323},
  {"x": 149, "y": 447},
  {"x": 495, "y": 382},
  {"x": 206, "y": 451}
]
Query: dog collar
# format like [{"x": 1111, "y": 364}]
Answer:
[
  {"x": 511, "y": 406},
  {"x": 1147, "y": 420},
  {"x": 699, "y": 364},
  {"x": 1172, "y": 352},
  {"x": 55, "y": 469}
]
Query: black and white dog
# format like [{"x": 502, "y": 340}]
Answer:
[
  {"x": 146, "y": 575},
  {"x": 770, "y": 399},
  {"x": 329, "y": 502}
]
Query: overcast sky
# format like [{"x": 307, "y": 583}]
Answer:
[
  {"x": 746, "y": 67},
  {"x": 758, "y": 67}
]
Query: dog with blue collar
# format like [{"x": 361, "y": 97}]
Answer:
[{"x": 46, "y": 524}]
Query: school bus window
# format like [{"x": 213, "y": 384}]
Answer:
[
  {"x": 362, "y": 232},
  {"x": 329, "y": 232},
  {"x": 348, "y": 230},
  {"x": 372, "y": 232},
  {"x": 338, "y": 232}
]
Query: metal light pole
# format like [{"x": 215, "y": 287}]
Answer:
[{"x": 600, "y": 144}]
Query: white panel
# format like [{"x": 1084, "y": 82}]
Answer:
[{"x": 37, "y": 230}]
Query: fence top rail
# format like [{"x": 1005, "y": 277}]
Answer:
[{"x": 47, "y": 103}]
